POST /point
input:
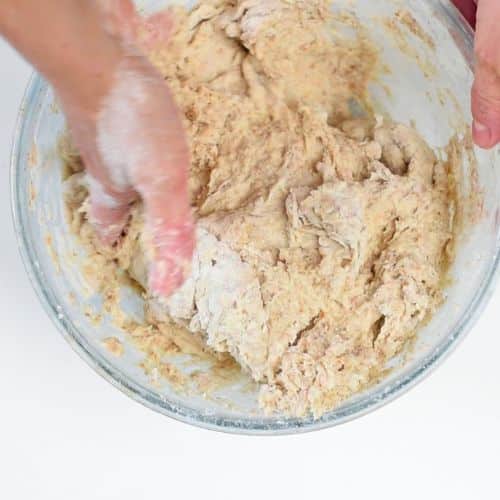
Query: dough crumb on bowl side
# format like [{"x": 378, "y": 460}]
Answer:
[{"x": 322, "y": 230}]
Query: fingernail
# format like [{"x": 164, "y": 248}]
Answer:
[{"x": 482, "y": 134}]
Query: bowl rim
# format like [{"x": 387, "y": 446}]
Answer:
[{"x": 383, "y": 395}]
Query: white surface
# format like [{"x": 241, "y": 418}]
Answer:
[{"x": 67, "y": 434}]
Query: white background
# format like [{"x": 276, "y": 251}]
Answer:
[{"x": 67, "y": 434}]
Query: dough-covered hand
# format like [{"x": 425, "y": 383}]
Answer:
[
  {"x": 133, "y": 144},
  {"x": 121, "y": 114},
  {"x": 486, "y": 89}
]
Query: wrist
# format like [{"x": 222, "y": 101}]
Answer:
[
  {"x": 88, "y": 74},
  {"x": 68, "y": 42}
]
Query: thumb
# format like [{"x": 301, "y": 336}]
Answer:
[
  {"x": 486, "y": 89},
  {"x": 486, "y": 107}
]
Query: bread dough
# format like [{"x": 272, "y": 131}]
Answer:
[{"x": 321, "y": 230}]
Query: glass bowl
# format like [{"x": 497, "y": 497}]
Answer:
[{"x": 429, "y": 86}]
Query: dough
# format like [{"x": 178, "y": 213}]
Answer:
[{"x": 322, "y": 231}]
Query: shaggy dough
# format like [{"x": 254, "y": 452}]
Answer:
[{"x": 321, "y": 236}]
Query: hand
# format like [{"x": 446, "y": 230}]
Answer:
[
  {"x": 486, "y": 89},
  {"x": 133, "y": 144},
  {"x": 122, "y": 117}
]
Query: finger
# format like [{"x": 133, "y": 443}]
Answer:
[
  {"x": 162, "y": 181},
  {"x": 486, "y": 88},
  {"x": 173, "y": 250},
  {"x": 486, "y": 107},
  {"x": 169, "y": 221},
  {"x": 163, "y": 186},
  {"x": 109, "y": 212}
]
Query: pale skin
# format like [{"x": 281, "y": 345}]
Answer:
[{"x": 125, "y": 122}]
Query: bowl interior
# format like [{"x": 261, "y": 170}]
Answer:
[{"x": 426, "y": 84}]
